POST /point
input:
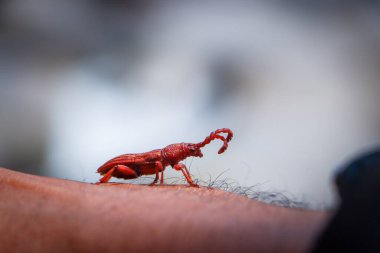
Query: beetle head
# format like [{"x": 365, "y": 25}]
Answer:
[
  {"x": 194, "y": 150},
  {"x": 174, "y": 153}
]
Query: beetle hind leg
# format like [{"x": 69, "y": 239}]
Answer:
[
  {"x": 123, "y": 171},
  {"x": 107, "y": 176},
  {"x": 120, "y": 171}
]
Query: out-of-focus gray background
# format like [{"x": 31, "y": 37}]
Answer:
[{"x": 297, "y": 82}]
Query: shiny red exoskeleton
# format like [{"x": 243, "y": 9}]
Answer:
[{"x": 130, "y": 166}]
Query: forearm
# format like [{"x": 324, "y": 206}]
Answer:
[{"x": 40, "y": 214}]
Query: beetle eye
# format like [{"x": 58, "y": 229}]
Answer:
[{"x": 192, "y": 150}]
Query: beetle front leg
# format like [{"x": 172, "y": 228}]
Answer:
[{"x": 185, "y": 172}]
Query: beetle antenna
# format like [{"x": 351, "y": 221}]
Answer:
[
  {"x": 227, "y": 131},
  {"x": 215, "y": 135}
]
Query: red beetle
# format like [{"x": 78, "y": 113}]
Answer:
[{"x": 130, "y": 166}]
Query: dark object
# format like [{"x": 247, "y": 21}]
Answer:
[
  {"x": 356, "y": 224},
  {"x": 134, "y": 165}
]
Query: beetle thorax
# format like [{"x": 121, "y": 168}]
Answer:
[{"x": 174, "y": 153}]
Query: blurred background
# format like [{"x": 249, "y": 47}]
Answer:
[{"x": 82, "y": 81}]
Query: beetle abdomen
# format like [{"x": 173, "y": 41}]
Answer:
[{"x": 131, "y": 160}]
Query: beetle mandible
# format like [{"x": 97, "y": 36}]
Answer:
[{"x": 130, "y": 166}]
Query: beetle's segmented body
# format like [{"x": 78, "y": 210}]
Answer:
[{"x": 130, "y": 166}]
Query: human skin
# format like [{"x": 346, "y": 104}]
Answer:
[{"x": 40, "y": 214}]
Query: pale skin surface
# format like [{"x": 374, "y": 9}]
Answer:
[{"x": 40, "y": 214}]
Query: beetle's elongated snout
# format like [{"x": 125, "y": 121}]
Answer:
[{"x": 199, "y": 153}]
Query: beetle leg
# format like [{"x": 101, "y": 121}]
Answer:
[
  {"x": 125, "y": 171},
  {"x": 185, "y": 172},
  {"x": 158, "y": 167},
  {"x": 162, "y": 177},
  {"x": 119, "y": 171},
  {"x": 183, "y": 167},
  {"x": 155, "y": 180},
  {"x": 107, "y": 176}
]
